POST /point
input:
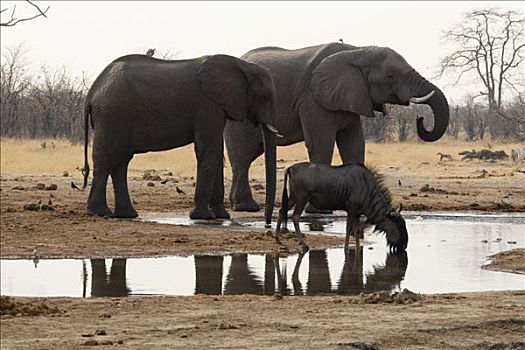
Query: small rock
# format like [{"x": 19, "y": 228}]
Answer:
[
  {"x": 31, "y": 207},
  {"x": 101, "y": 332},
  {"x": 52, "y": 187},
  {"x": 484, "y": 241},
  {"x": 65, "y": 174},
  {"x": 91, "y": 342},
  {"x": 104, "y": 315},
  {"x": 150, "y": 184},
  {"x": 512, "y": 242},
  {"x": 40, "y": 186},
  {"x": 169, "y": 173},
  {"x": 258, "y": 187}
]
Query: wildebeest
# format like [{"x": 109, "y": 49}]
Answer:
[
  {"x": 485, "y": 154},
  {"x": 350, "y": 187}
]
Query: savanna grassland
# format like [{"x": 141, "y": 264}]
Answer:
[{"x": 58, "y": 228}]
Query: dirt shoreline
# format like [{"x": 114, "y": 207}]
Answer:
[{"x": 445, "y": 321}]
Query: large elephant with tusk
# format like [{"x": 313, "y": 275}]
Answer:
[{"x": 321, "y": 93}]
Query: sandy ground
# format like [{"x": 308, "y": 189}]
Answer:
[{"x": 472, "y": 321}]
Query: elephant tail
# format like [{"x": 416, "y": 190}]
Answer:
[
  {"x": 284, "y": 200},
  {"x": 85, "y": 169}
]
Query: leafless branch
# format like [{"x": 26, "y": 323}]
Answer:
[{"x": 14, "y": 21}]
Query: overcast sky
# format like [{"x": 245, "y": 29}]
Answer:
[{"x": 86, "y": 36}]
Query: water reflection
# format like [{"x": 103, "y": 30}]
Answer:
[
  {"x": 317, "y": 272},
  {"x": 208, "y": 274},
  {"x": 113, "y": 285},
  {"x": 241, "y": 278}
]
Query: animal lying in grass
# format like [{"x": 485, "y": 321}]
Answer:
[{"x": 350, "y": 187}]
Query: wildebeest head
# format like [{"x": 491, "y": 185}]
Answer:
[{"x": 395, "y": 229}]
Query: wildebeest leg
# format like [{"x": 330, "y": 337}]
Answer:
[
  {"x": 353, "y": 227},
  {"x": 281, "y": 282},
  {"x": 299, "y": 207},
  {"x": 291, "y": 204},
  {"x": 295, "y": 275}
]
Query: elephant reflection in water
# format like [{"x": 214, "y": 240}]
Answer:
[
  {"x": 240, "y": 279},
  {"x": 112, "y": 286},
  {"x": 208, "y": 274}
]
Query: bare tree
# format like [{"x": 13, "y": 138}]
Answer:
[
  {"x": 14, "y": 83},
  {"x": 14, "y": 21},
  {"x": 490, "y": 45}
]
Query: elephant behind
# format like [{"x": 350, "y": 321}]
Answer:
[
  {"x": 141, "y": 104},
  {"x": 321, "y": 93}
]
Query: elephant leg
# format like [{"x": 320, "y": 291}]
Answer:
[
  {"x": 244, "y": 144},
  {"x": 319, "y": 140},
  {"x": 123, "y": 206},
  {"x": 217, "y": 198},
  {"x": 208, "y": 151},
  {"x": 351, "y": 144},
  {"x": 97, "y": 203}
]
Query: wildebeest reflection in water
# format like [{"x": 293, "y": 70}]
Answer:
[
  {"x": 385, "y": 277},
  {"x": 113, "y": 285}
]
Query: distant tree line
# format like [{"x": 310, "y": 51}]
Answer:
[{"x": 50, "y": 105}]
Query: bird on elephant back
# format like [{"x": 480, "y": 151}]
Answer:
[
  {"x": 140, "y": 104},
  {"x": 321, "y": 93}
]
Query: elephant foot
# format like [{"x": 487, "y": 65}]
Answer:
[
  {"x": 310, "y": 209},
  {"x": 202, "y": 213},
  {"x": 250, "y": 206},
  {"x": 220, "y": 212},
  {"x": 99, "y": 211},
  {"x": 128, "y": 213}
]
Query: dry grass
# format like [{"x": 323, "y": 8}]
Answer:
[{"x": 28, "y": 157}]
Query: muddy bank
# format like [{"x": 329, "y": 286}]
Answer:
[
  {"x": 509, "y": 261},
  {"x": 465, "y": 321}
]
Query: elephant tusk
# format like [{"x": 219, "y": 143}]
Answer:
[
  {"x": 421, "y": 99},
  {"x": 272, "y": 128}
]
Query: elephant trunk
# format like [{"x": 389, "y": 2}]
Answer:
[
  {"x": 439, "y": 105},
  {"x": 270, "y": 167}
]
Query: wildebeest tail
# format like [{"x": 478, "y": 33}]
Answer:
[
  {"x": 284, "y": 199},
  {"x": 85, "y": 170}
]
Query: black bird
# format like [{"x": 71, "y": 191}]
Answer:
[
  {"x": 164, "y": 181},
  {"x": 341, "y": 40},
  {"x": 150, "y": 52},
  {"x": 179, "y": 191},
  {"x": 73, "y": 186},
  {"x": 399, "y": 183}
]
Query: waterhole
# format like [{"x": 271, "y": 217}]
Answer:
[{"x": 446, "y": 253}]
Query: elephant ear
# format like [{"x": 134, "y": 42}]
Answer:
[
  {"x": 338, "y": 84},
  {"x": 222, "y": 80}
]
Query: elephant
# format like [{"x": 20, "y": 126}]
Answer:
[
  {"x": 140, "y": 104},
  {"x": 321, "y": 93}
]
